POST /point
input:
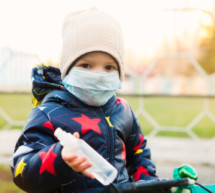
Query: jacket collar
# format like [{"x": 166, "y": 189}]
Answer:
[
  {"x": 63, "y": 97},
  {"x": 67, "y": 99}
]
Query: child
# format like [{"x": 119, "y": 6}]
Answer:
[{"x": 84, "y": 104}]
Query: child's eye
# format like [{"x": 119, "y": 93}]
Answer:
[
  {"x": 110, "y": 68},
  {"x": 85, "y": 65}
]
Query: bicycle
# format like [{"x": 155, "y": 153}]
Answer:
[{"x": 185, "y": 181}]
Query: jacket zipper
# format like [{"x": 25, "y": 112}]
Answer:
[{"x": 110, "y": 137}]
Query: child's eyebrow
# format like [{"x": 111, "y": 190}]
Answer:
[
  {"x": 88, "y": 60},
  {"x": 84, "y": 60}
]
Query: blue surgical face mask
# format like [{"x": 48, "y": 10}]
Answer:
[{"x": 92, "y": 87}]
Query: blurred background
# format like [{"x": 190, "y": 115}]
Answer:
[{"x": 170, "y": 73}]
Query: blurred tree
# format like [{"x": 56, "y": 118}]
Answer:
[{"x": 207, "y": 49}]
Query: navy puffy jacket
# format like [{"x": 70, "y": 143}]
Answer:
[{"x": 112, "y": 130}]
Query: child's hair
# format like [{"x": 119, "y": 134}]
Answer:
[{"x": 88, "y": 31}]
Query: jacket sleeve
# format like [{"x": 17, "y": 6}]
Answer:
[
  {"x": 37, "y": 164},
  {"x": 139, "y": 162}
]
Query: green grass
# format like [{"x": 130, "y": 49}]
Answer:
[
  {"x": 17, "y": 106},
  {"x": 171, "y": 111},
  {"x": 6, "y": 181},
  {"x": 166, "y": 111}
]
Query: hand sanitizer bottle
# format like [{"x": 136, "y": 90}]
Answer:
[{"x": 103, "y": 171}]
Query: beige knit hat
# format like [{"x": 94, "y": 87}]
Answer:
[{"x": 87, "y": 31}]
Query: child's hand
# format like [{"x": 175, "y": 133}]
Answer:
[{"x": 75, "y": 162}]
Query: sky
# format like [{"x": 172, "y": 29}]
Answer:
[{"x": 34, "y": 26}]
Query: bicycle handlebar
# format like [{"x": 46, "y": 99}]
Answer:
[{"x": 151, "y": 186}]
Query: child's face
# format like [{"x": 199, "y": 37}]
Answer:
[{"x": 97, "y": 61}]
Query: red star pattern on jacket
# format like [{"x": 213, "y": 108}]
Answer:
[
  {"x": 140, "y": 170},
  {"x": 48, "y": 159},
  {"x": 49, "y": 125},
  {"x": 122, "y": 101},
  {"x": 88, "y": 124},
  {"x": 139, "y": 145}
]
